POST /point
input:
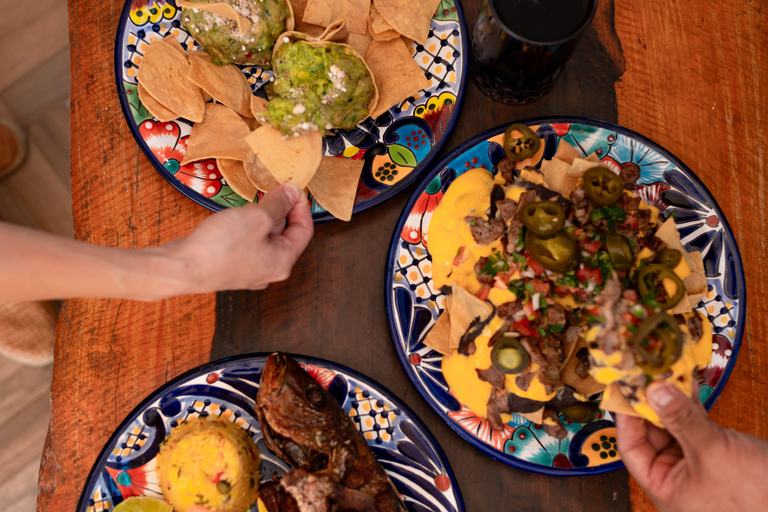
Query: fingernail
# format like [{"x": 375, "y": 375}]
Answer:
[
  {"x": 292, "y": 191},
  {"x": 660, "y": 396}
]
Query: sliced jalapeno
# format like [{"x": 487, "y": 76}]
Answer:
[
  {"x": 581, "y": 412},
  {"x": 619, "y": 250},
  {"x": 658, "y": 343},
  {"x": 650, "y": 281},
  {"x": 543, "y": 217},
  {"x": 555, "y": 252},
  {"x": 669, "y": 258},
  {"x": 522, "y": 147},
  {"x": 602, "y": 186},
  {"x": 509, "y": 356}
]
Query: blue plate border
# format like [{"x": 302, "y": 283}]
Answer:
[
  {"x": 209, "y": 367},
  {"x": 319, "y": 218},
  {"x": 508, "y": 459}
]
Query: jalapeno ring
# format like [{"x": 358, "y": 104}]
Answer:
[
  {"x": 581, "y": 412},
  {"x": 658, "y": 272},
  {"x": 619, "y": 250},
  {"x": 669, "y": 258},
  {"x": 557, "y": 252},
  {"x": 658, "y": 343},
  {"x": 543, "y": 217},
  {"x": 603, "y": 186},
  {"x": 523, "y": 147},
  {"x": 509, "y": 356}
]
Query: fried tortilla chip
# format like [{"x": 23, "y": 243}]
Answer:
[
  {"x": 323, "y": 12},
  {"x": 336, "y": 32},
  {"x": 360, "y": 42},
  {"x": 465, "y": 308},
  {"x": 223, "y": 10},
  {"x": 537, "y": 417},
  {"x": 234, "y": 172},
  {"x": 163, "y": 74},
  {"x": 592, "y": 157},
  {"x": 221, "y": 135},
  {"x": 176, "y": 44},
  {"x": 554, "y": 172},
  {"x": 396, "y": 73},
  {"x": 567, "y": 153},
  {"x": 380, "y": 30},
  {"x": 438, "y": 338},
  {"x": 227, "y": 84},
  {"x": 258, "y": 106},
  {"x": 412, "y": 19},
  {"x": 289, "y": 159},
  {"x": 154, "y": 106},
  {"x": 334, "y": 185},
  {"x": 613, "y": 401},
  {"x": 584, "y": 386},
  {"x": 696, "y": 282},
  {"x": 259, "y": 175},
  {"x": 575, "y": 176}
]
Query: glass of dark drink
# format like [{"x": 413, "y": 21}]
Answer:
[{"x": 519, "y": 47}]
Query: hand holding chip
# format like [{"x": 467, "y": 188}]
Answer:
[
  {"x": 253, "y": 246},
  {"x": 694, "y": 464}
]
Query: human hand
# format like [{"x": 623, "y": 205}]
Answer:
[
  {"x": 694, "y": 464},
  {"x": 247, "y": 247}
]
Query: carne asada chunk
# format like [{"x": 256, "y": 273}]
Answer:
[
  {"x": 484, "y": 278},
  {"x": 552, "y": 424},
  {"x": 523, "y": 381},
  {"x": 582, "y": 369},
  {"x": 629, "y": 203},
  {"x": 497, "y": 195},
  {"x": 485, "y": 232},
  {"x": 507, "y": 169},
  {"x": 492, "y": 376},
  {"x": 507, "y": 208},
  {"x": 653, "y": 243},
  {"x": 629, "y": 174},
  {"x": 508, "y": 309}
]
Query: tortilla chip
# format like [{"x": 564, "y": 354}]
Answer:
[
  {"x": 412, "y": 19},
  {"x": 163, "y": 74},
  {"x": 251, "y": 122},
  {"x": 554, "y": 172},
  {"x": 613, "y": 401},
  {"x": 575, "y": 176},
  {"x": 438, "y": 338},
  {"x": 334, "y": 185},
  {"x": 360, "y": 43},
  {"x": 176, "y": 44},
  {"x": 258, "y": 106},
  {"x": 221, "y": 135},
  {"x": 227, "y": 84},
  {"x": 222, "y": 9},
  {"x": 592, "y": 157},
  {"x": 465, "y": 308},
  {"x": 696, "y": 281},
  {"x": 567, "y": 153},
  {"x": 396, "y": 73},
  {"x": 259, "y": 175},
  {"x": 336, "y": 32},
  {"x": 537, "y": 417},
  {"x": 234, "y": 172},
  {"x": 155, "y": 108},
  {"x": 289, "y": 159},
  {"x": 379, "y": 29},
  {"x": 584, "y": 386},
  {"x": 323, "y": 12}
]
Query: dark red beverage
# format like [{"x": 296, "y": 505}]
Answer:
[{"x": 519, "y": 47}]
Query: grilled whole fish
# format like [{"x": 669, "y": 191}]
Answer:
[{"x": 304, "y": 425}]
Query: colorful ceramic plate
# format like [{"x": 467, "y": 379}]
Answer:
[
  {"x": 401, "y": 442},
  {"x": 413, "y": 304},
  {"x": 396, "y": 147}
]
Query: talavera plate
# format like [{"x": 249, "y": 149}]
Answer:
[
  {"x": 402, "y": 444},
  {"x": 397, "y": 146},
  {"x": 413, "y": 304}
]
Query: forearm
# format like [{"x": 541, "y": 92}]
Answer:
[{"x": 40, "y": 266}]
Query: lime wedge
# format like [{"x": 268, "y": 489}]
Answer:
[{"x": 143, "y": 504}]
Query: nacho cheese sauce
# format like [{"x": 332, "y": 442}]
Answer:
[{"x": 454, "y": 254}]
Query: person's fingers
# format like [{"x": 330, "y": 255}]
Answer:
[
  {"x": 278, "y": 202},
  {"x": 658, "y": 437},
  {"x": 636, "y": 451},
  {"x": 686, "y": 420},
  {"x": 300, "y": 228}
]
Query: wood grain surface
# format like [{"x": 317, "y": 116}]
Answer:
[{"x": 655, "y": 67}]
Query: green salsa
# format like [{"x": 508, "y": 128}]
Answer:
[
  {"x": 326, "y": 86},
  {"x": 221, "y": 38}
]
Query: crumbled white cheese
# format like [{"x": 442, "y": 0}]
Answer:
[
  {"x": 286, "y": 40},
  {"x": 299, "y": 109},
  {"x": 337, "y": 76}
]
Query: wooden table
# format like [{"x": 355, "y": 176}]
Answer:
[{"x": 689, "y": 74}]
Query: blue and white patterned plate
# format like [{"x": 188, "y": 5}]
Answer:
[
  {"x": 402, "y": 444},
  {"x": 396, "y": 147},
  {"x": 413, "y": 304}
]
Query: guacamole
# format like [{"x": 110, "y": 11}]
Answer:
[
  {"x": 324, "y": 85},
  {"x": 220, "y": 36}
]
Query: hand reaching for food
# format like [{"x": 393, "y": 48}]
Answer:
[
  {"x": 694, "y": 464},
  {"x": 251, "y": 247}
]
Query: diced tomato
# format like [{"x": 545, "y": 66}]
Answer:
[
  {"x": 631, "y": 295},
  {"x": 592, "y": 247},
  {"x": 528, "y": 309},
  {"x": 523, "y": 326},
  {"x": 482, "y": 293},
  {"x": 504, "y": 277},
  {"x": 499, "y": 283},
  {"x": 562, "y": 291},
  {"x": 577, "y": 232},
  {"x": 594, "y": 311},
  {"x": 534, "y": 265},
  {"x": 632, "y": 222},
  {"x": 541, "y": 287},
  {"x": 459, "y": 257},
  {"x": 585, "y": 274}
]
